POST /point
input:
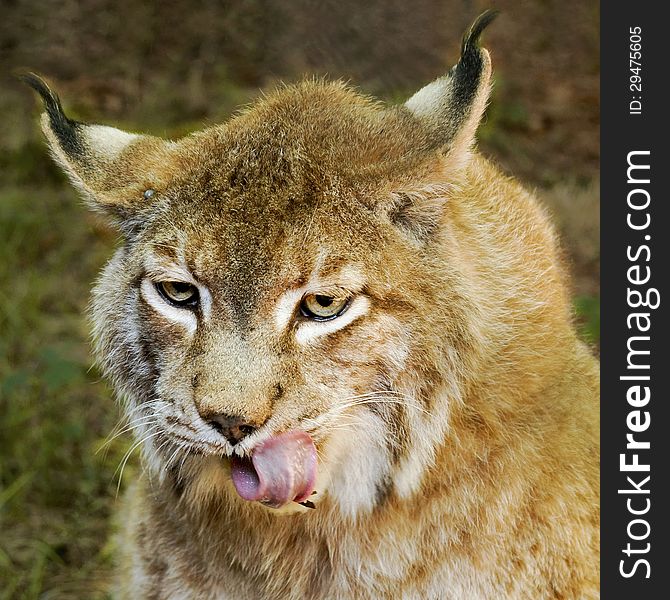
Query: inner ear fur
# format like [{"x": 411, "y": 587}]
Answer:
[
  {"x": 451, "y": 107},
  {"x": 417, "y": 210},
  {"x": 111, "y": 167}
]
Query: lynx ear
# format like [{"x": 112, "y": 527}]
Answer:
[
  {"x": 111, "y": 167},
  {"x": 452, "y": 106}
]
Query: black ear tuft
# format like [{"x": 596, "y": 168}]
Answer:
[
  {"x": 452, "y": 106},
  {"x": 467, "y": 72},
  {"x": 471, "y": 38},
  {"x": 64, "y": 128}
]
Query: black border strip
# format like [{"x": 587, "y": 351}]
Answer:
[{"x": 624, "y": 131}]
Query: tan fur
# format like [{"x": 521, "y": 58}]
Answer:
[{"x": 455, "y": 415}]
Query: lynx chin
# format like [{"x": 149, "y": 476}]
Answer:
[{"x": 344, "y": 341}]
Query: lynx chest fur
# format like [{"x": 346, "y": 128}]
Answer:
[{"x": 344, "y": 341}]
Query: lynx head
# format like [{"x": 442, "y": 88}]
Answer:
[{"x": 280, "y": 318}]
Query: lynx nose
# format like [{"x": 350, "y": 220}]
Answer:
[{"x": 234, "y": 429}]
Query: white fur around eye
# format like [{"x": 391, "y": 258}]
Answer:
[
  {"x": 310, "y": 331},
  {"x": 286, "y": 308},
  {"x": 182, "y": 316}
]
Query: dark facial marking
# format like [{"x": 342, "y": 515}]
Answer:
[
  {"x": 394, "y": 416},
  {"x": 383, "y": 490}
]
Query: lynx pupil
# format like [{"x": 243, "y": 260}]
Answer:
[
  {"x": 322, "y": 307},
  {"x": 178, "y": 293}
]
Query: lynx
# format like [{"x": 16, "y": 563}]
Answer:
[{"x": 345, "y": 343}]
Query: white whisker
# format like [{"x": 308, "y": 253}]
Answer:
[{"x": 130, "y": 451}]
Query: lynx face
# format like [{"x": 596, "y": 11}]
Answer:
[{"x": 278, "y": 320}]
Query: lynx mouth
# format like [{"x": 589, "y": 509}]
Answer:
[{"x": 281, "y": 470}]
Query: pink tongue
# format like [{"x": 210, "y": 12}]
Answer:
[{"x": 281, "y": 470}]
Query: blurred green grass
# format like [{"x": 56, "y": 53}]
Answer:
[
  {"x": 56, "y": 493},
  {"x": 587, "y": 309}
]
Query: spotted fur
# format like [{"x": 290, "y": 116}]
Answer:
[{"x": 453, "y": 408}]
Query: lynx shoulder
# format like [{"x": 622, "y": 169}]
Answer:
[{"x": 345, "y": 342}]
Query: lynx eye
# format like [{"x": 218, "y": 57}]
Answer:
[
  {"x": 178, "y": 293},
  {"x": 321, "y": 307}
]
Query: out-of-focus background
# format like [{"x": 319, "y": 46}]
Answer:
[{"x": 168, "y": 67}]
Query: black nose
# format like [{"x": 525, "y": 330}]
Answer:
[{"x": 234, "y": 429}]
